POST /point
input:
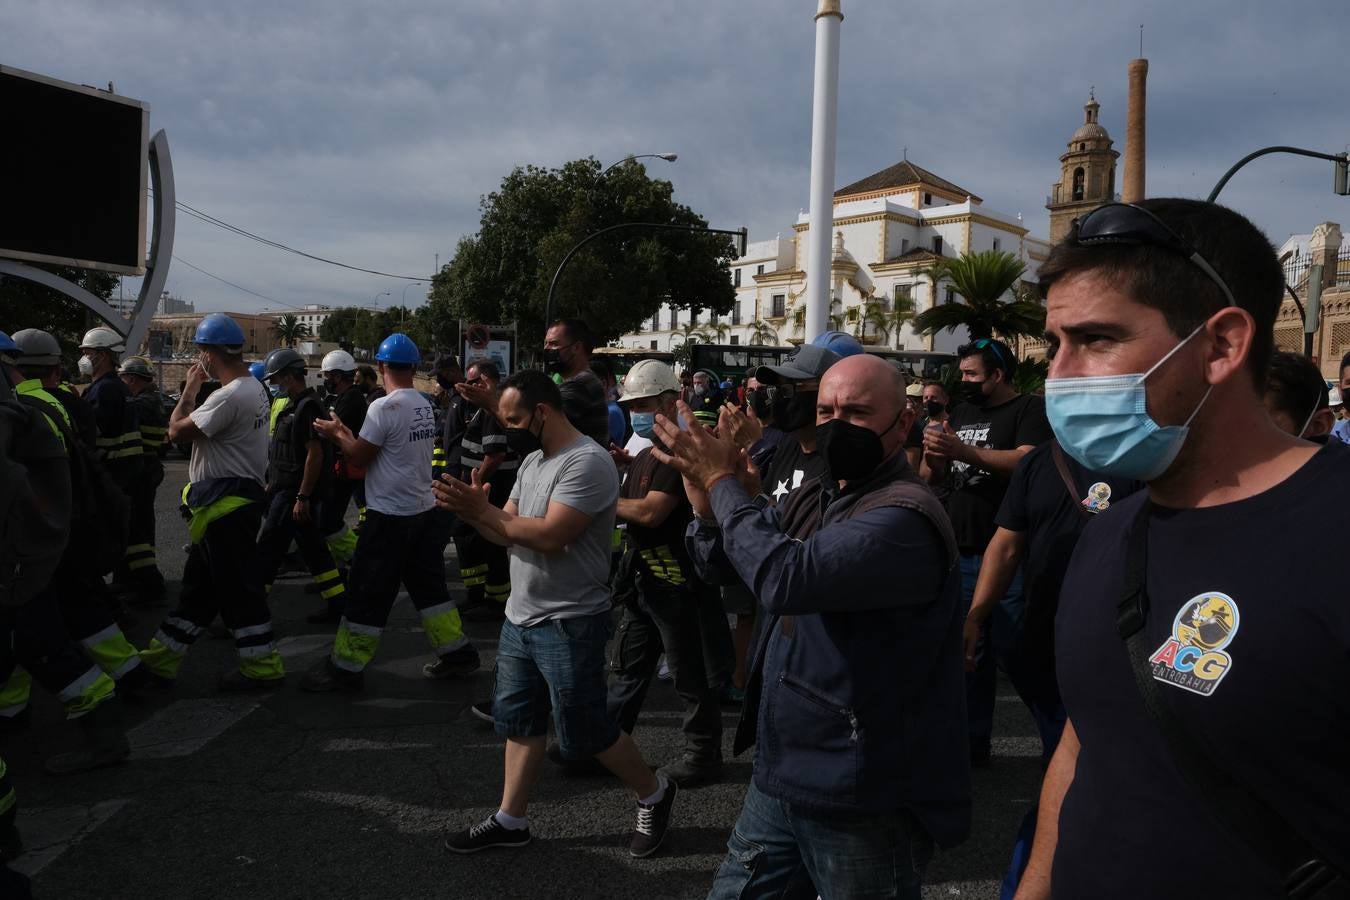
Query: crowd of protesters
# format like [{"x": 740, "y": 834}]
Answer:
[{"x": 846, "y": 555}]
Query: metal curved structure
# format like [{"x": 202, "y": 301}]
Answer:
[{"x": 132, "y": 328}]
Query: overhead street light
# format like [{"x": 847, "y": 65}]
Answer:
[
  {"x": 668, "y": 157},
  {"x": 1339, "y": 177},
  {"x": 403, "y": 301}
]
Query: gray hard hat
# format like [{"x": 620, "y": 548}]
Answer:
[
  {"x": 280, "y": 360},
  {"x": 36, "y": 348}
]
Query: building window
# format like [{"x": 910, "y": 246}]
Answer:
[
  {"x": 951, "y": 294},
  {"x": 759, "y": 269},
  {"x": 735, "y": 340},
  {"x": 903, "y": 293},
  {"x": 1078, "y": 183},
  {"x": 735, "y": 277},
  {"x": 937, "y": 245},
  {"x": 674, "y": 319},
  {"x": 736, "y": 313},
  {"x": 656, "y": 321},
  {"x": 927, "y": 199},
  {"x": 693, "y": 316},
  {"x": 998, "y": 245},
  {"x": 653, "y": 344},
  {"x": 1082, "y": 147},
  {"x": 904, "y": 245},
  {"x": 779, "y": 305}
]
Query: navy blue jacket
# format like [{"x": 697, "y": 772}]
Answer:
[{"x": 856, "y": 685}]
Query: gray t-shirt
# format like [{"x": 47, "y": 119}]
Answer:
[
  {"x": 233, "y": 421},
  {"x": 570, "y": 583}
]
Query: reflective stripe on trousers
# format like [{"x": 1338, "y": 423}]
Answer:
[
  {"x": 86, "y": 692},
  {"x": 139, "y": 556},
  {"x": 15, "y": 692},
  {"x": 355, "y": 645},
  {"x": 111, "y": 651},
  {"x": 329, "y": 584},
  {"x": 445, "y": 631}
]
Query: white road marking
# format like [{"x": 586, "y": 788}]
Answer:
[
  {"x": 50, "y": 831},
  {"x": 185, "y": 726}
]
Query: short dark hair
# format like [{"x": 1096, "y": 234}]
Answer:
[
  {"x": 602, "y": 369},
  {"x": 398, "y": 367},
  {"x": 577, "y": 330},
  {"x": 1170, "y": 283},
  {"x": 1345, "y": 361},
  {"x": 487, "y": 368},
  {"x": 993, "y": 353},
  {"x": 444, "y": 361},
  {"x": 1291, "y": 381},
  {"x": 366, "y": 372},
  {"x": 535, "y": 388}
]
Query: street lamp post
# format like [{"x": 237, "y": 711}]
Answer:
[
  {"x": 1339, "y": 174},
  {"x": 403, "y": 301},
  {"x": 668, "y": 157}
]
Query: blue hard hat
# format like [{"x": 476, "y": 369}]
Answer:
[
  {"x": 7, "y": 342},
  {"x": 838, "y": 342},
  {"x": 398, "y": 348},
  {"x": 218, "y": 329},
  {"x": 257, "y": 370}
]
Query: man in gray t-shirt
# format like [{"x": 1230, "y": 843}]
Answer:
[
  {"x": 551, "y": 654},
  {"x": 572, "y": 583}
]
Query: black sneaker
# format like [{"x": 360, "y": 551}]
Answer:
[
  {"x": 463, "y": 661},
  {"x": 328, "y": 678},
  {"x": 689, "y": 772},
  {"x": 487, "y": 833},
  {"x": 652, "y": 822},
  {"x": 482, "y": 711}
]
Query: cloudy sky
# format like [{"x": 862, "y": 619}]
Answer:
[{"x": 366, "y": 132}]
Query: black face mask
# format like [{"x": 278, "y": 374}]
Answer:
[
  {"x": 972, "y": 392},
  {"x": 553, "y": 361},
  {"x": 523, "y": 441},
  {"x": 934, "y": 408},
  {"x": 797, "y": 410},
  {"x": 851, "y": 451},
  {"x": 758, "y": 400}
]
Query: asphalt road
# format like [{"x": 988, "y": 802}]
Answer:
[{"x": 300, "y": 795}]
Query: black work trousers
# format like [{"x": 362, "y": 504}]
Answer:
[
  {"x": 279, "y": 528},
  {"x": 665, "y": 617},
  {"x": 335, "y": 509}
]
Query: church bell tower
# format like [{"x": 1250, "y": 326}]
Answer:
[{"x": 1087, "y": 174}]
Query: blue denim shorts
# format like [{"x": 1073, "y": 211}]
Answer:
[{"x": 558, "y": 666}]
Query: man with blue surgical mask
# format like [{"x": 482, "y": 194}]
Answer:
[
  {"x": 664, "y": 614},
  {"x": 1199, "y": 677}
]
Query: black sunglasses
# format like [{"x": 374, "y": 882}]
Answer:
[
  {"x": 1126, "y": 223},
  {"x": 993, "y": 345}
]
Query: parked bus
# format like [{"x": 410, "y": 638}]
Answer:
[
  {"x": 927, "y": 365},
  {"x": 730, "y": 361},
  {"x": 621, "y": 359}
]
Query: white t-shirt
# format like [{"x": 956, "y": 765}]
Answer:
[
  {"x": 403, "y": 426},
  {"x": 234, "y": 420}
]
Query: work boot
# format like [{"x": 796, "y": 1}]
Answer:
[
  {"x": 464, "y": 661},
  {"x": 236, "y": 682},
  {"x": 105, "y": 738},
  {"x": 482, "y": 711},
  {"x": 691, "y": 772},
  {"x": 326, "y": 678}
]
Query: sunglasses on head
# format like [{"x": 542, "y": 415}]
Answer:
[
  {"x": 1128, "y": 224},
  {"x": 982, "y": 343}
]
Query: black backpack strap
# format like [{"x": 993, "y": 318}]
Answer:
[
  {"x": 1306, "y": 875},
  {"x": 1062, "y": 465}
]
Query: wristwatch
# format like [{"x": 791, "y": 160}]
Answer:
[{"x": 304, "y": 497}]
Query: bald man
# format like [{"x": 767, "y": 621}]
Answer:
[{"x": 855, "y": 690}]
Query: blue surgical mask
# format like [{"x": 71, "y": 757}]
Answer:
[
  {"x": 1103, "y": 422},
  {"x": 644, "y": 423}
]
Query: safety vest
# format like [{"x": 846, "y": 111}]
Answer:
[
  {"x": 286, "y": 451},
  {"x": 33, "y": 388},
  {"x": 278, "y": 404}
]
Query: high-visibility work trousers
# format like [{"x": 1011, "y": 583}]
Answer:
[
  {"x": 279, "y": 529},
  {"x": 140, "y": 565},
  {"x": 220, "y": 577},
  {"x": 396, "y": 550},
  {"x": 33, "y": 640}
]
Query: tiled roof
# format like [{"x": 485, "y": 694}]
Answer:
[{"x": 901, "y": 174}]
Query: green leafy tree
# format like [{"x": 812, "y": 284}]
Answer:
[
  {"x": 290, "y": 330},
  {"x": 989, "y": 281},
  {"x": 25, "y": 304},
  {"x": 615, "y": 283}
]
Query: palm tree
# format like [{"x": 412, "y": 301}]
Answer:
[
  {"x": 984, "y": 280},
  {"x": 762, "y": 333},
  {"x": 290, "y": 330},
  {"x": 718, "y": 331}
]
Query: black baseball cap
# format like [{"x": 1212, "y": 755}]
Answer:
[{"x": 807, "y": 363}]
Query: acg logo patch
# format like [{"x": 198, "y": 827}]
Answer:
[{"x": 1193, "y": 657}]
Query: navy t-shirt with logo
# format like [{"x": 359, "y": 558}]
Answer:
[
  {"x": 1249, "y": 634},
  {"x": 1039, "y": 506}
]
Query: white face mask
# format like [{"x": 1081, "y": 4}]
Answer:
[{"x": 86, "y": 366}]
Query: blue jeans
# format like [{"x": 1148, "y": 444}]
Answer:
[
  {"x": 779, "y": 850},
  {"x": 557, "y": 665},
  {"x": 1001, "y": 647}
]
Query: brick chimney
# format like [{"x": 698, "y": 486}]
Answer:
[{"x": 1132, "y": 190}]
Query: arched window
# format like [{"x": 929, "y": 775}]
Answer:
[
  {"x": 1082, "y": 146},
  {"x": 1078, "y": 183}
]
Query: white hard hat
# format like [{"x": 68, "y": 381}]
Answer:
[
  {"x": 648, "y": 378},
  {"x": 103, "y": 339},
  {"x": 338, "y": 361}
]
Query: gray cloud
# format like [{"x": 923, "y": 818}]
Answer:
[{"x": 367, "y": 132}]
